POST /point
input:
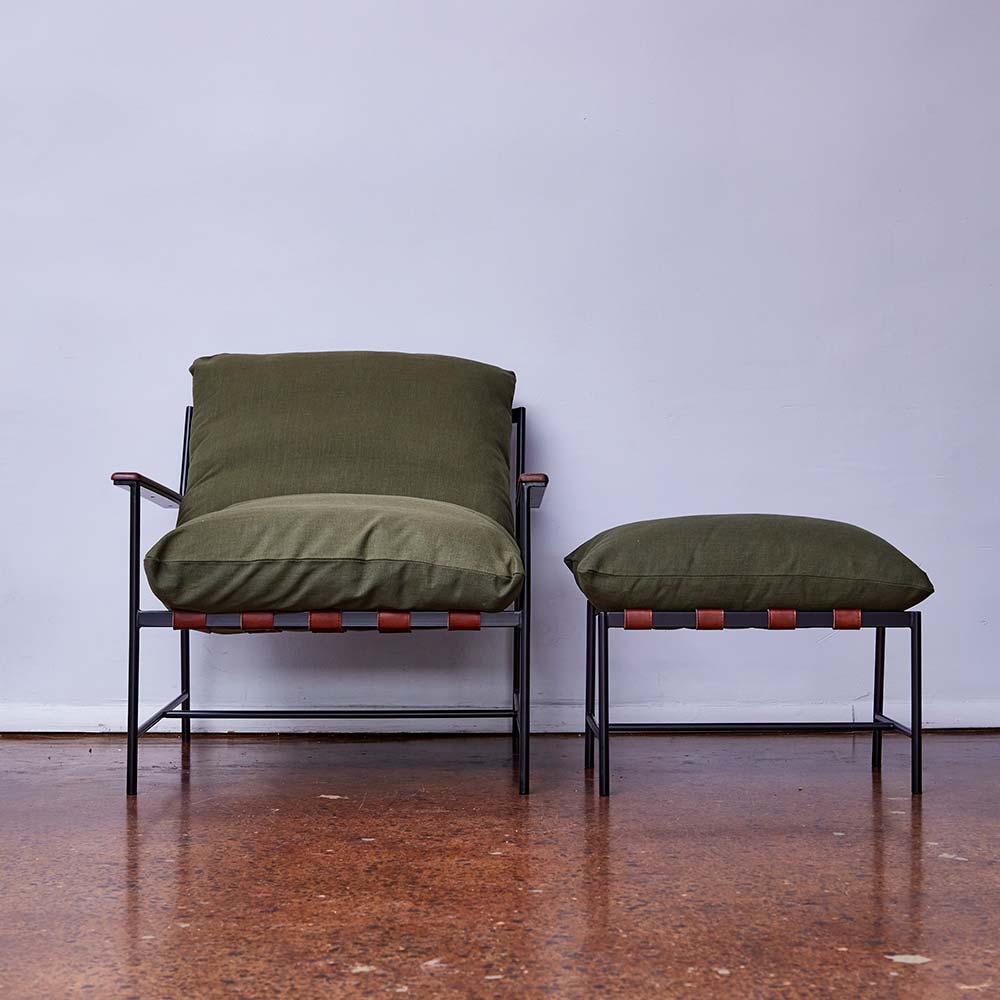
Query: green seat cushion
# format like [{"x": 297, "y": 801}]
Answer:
[
  {"x": 337, "y": 551},
  {"x": 745, "y": 562},
  {"x": 418, "y": 425}
]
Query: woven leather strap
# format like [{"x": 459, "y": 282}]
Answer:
[
  {"x": 257, "y": 621},
  {"x": 189, "y": 619},
  {"x": 710, "y": 618},
  {"x": 638, "y": 618},
  {"x": 326, "y": 621},
  {"x": 464, "y": 621},
  {"x": 847, "y": 618},
  {"x": 781, "y": 618},
  {"x": 394, "y": 621}
]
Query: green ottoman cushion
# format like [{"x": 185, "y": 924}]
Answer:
[
  {"x": 417, "y": 425},
  {"x": 745, "y": 562},
  {"x": 337, "y": 551}
]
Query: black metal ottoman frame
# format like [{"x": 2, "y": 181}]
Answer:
[
  {"x": 529, "y": 490},
  {"x": 600, "y": 727}
]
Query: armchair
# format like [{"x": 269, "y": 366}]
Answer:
[{"x": 336, "y": 492}]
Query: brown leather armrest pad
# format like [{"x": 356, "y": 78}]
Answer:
[{"x": 162, "y": 495}]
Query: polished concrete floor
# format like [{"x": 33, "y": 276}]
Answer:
[{"x": 720, "y": 867}]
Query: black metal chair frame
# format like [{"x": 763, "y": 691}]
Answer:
[
  {"x": 529, "y": 490},
  {"x": 599, "y": 727}
]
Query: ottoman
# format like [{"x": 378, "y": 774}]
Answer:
[{"x": 746, "y": 571}]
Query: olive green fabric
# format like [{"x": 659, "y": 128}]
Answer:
[
  {"x": 416, "y": 425},
  {"x": 745, "y": 562},
  {"x": 339, "y": 552}
]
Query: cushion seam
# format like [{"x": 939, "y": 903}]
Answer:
[
  {"x": 749, "y": 576},
  {"x": 309, "y": 559}
]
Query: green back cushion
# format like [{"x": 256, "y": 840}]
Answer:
[
  {"x": 339, "y": 551},
  {"x": 745, "y": 562},
  {"x": 415, "y": 425}
]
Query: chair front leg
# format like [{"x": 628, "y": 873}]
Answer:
[
  {"x": 524, "y": 707},
  {"x": 186, "y": 682},
  {"x": 916, "y": 711}
]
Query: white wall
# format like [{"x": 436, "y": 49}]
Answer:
[{"x": 742, "y": 256}]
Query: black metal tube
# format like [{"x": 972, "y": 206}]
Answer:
[
  {"x": 588, "y": 736},
  {"x": 604, "y": 768},
  {"x": 185, "y": 450},
  {"x": 518, "y": 418},
  {"x": 750, "y": 727},
  {"x": 186, "y": 682},
  {"x": 518, "y": 415},
  {"x": 132, "y": 719},
  {"x": 162, "y": 713},
  {"x": 515, "y": 734},
  {"x": 340, "y": 713},
  {"x": 879, "y": 696},
  {"x": 888, "y": 723},
  {"x": 524, "y": 661},
  {"x": 916, "y": 710},
  {"x": 517, "y": 463}
]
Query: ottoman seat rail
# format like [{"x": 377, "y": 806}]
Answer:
[{"x": 599, "y": 727}]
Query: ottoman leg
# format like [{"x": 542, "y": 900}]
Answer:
[
  {"x": 604, "y": 777},
  {"x": 879, "y": 699},
  {"x": 916, "y": 713},
  {"x": 588, "y": 733}
]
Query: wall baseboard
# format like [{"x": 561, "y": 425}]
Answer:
[{"x": 547, "y": 717}]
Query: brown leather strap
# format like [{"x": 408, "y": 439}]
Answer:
[
  {"x": 847, "y": 618},
  {"x": 638, "y": 618},
  {"x": 710, "y": 618},
  {"x": 464, "y": 621},
  {"x": 781, "y": 618},
  {"x": 257, "y": 621},
  {"x": 326, "y": 621},
  {"x": 189, "y": 619},
  {"x": 394, "y": 621}
]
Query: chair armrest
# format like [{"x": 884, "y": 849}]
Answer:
[
  {"x": 533, "y": 483},
  {"x": 162, "y": 496}
]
